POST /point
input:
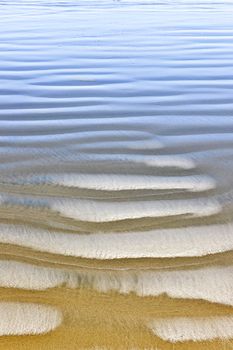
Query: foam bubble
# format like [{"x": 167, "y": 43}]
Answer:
[{"x": 119, "y": 182}]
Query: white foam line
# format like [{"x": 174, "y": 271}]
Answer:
[
  {"x": 100, "y": 211},
  {"x": 25, "y": 276},
  {"x": 106, "y": 211},
  {"x": 164, "y": 243},
  {"x": 119, "y": 182},
  {"x": 66, "y": 155},
  {"x": 81, "y": 145},
  {"x": 27, "y": 318},
  {"x": 180, "y": 329},
  {"x": 214, "y": 284}
]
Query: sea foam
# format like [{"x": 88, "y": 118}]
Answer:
[
  {"x": 27, "y": 318},
  {"x": 180, "y": 329}
]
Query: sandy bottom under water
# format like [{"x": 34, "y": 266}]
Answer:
[{"x": 116, "y": 186}]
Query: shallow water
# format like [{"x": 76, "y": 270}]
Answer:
[{"x": 116, "y": 161}]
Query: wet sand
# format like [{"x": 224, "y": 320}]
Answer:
[{"x": 116, "y": 187}]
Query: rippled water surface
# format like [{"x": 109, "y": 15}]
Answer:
[{"x": 116, "y": 174}]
